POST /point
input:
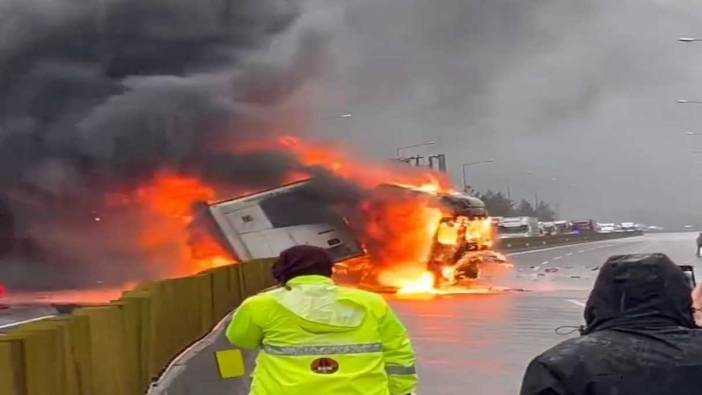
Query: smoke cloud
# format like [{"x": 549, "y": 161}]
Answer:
[
  {"x": 97, "y": 98},
  {"x": 574, "y": 100}
]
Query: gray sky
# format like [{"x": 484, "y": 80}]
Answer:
[{"x": 574, "y": 99}]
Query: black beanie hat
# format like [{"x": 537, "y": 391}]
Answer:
[{"x": 302, "y": 260}]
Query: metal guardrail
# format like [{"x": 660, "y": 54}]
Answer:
[{"x": 530, "y": 243}]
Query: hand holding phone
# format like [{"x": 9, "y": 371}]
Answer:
[{"x": 689, "y": 272}]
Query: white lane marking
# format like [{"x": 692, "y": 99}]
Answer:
[
  {"x": 177, "y": 365},
  {"x": 557, "y": 258},
  {"x": 581, "y": 251},
  {"x": 569, "y": 254},
  {"x": 576, "y": 302},
  {"x": 16, "y": 323},
  {"x": 544, "y": 263}
]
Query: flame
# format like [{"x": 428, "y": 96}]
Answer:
[
  {"x": 448, "y": 233},
  {"x": 342, "y": 164},
  {"x": 405, "y": 229},
  {"x": 169, "y": 200},
  {"x": 399, "y": 230},
  {"x": 433, "y": 187},
  {"x": 401, "y": 233},
  {"x": 424, "y": 284}
]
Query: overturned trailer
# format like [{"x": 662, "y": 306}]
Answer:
[{"x": 263, "y": 224}]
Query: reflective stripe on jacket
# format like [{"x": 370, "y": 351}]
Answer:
[{"x": 318, "y": 338}]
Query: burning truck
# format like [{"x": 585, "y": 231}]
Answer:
[{"x": 395, "y": 227}]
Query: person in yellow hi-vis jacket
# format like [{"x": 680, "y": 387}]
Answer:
[{"x": 318, "y": 338}]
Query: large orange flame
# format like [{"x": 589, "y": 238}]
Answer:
[
  {"x": 399, "y": 231},
  {"x": 169, "y": 203}
]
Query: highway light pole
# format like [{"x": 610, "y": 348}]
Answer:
[
  {"x": 337, "y": 116},
  {"x": 466, "y": 165},
  {"x": 400, "y": 149}
]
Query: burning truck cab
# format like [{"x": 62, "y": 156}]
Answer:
[{"x": 463, "y": 238}]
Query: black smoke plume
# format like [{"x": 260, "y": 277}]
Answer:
[{"x": 101, "y": 96}]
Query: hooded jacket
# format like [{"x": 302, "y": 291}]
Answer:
[
  {"x": 639, "y": 339},
  {"x": 317, "y": 338}
]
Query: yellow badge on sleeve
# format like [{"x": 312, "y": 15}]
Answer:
[{"x": 230, "y": 363}]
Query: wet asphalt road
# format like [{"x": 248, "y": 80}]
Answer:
[
  {"x": 481, "y": 344},
  {"x": 11, "y": 316}
]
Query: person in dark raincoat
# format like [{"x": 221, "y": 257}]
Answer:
[{"x": 640, "y": 337}]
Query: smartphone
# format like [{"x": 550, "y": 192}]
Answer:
[{"x": 689, "y": 272}]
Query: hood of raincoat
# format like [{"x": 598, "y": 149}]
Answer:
[
  {"x": 319, "y": 305},
  {"x": 641, "y": 292}
]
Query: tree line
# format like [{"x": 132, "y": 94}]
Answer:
[{"x": 499, "y": 205}]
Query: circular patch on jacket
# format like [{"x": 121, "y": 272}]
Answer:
[{"x": 324, "y": 366}]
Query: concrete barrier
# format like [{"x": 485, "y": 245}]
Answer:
[{"x": 119, "y": 348}]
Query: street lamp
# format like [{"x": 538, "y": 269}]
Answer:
[
  {"x": 465, "y": 165},
  {"x": 337, "y": 116},
  {"x": 400, "y": 149},
  {"x": 689, "y": 39}
]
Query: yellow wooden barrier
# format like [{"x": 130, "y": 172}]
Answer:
[
  {"x": 12, "y": 372},
  {"x": 54, "y": 362},
  {"x": 42, "y": 376},
  {"x": 117, "y": 349},
  {"x": 107, "y": 351}
]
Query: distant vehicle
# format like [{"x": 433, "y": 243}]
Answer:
[
  {"x": 518, "y": 227},
  {"x": 264, "y": 224},
  {"x": 550, "y": 228},
  {"x": 563, "y": 227},
  {"x": 654, "y": 228},
  {"x": 584, "y": 226},
  {"x": 689, "y": 226},
  {"x": 606, "y": 228},
  {"x": 547, "y": 228},
  {"x": 629, "y": 227}
]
